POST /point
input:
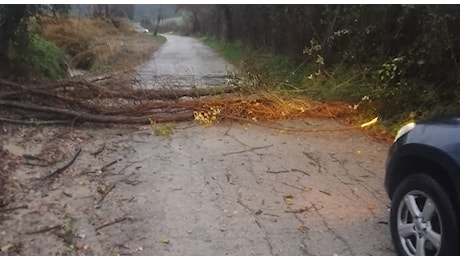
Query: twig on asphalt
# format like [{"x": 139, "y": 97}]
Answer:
[
  {"x": 298, "y": 210},
  {"x": 325, "y": 192},
  {"x": 121, "y": 172},
  {"x": 111, "y": 223},
  {"x": 248, "y": 150},
  {"x": 67, "y": 194},
  {"x": 65, "y": 166},
  {"x": 272, "y": 215},
  {"x": 44, "y": 230},
  {"x": 132, "y": 182},
  {"x": 276, "y": 172},
  {"x": 14, "y": 208},
  {"x": 98, "y": 151},
  {"x": 105, "y": 194},
  {"x": 258, "y": 224},
  {"x": 228, "y": 129},
  {"x": 109, "y": 164},
  {"x": 292, "y": 186},
  {"x": 304, "y": 172}
]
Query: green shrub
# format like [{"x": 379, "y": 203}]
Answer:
[
  {"x": 40, "y": 60},
  {"x": 47, "y": 61}
]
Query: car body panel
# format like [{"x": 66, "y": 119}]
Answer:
[{"x": 437, "y": 141}]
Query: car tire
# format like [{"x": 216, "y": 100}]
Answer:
[{"x": 422, "y": 218}]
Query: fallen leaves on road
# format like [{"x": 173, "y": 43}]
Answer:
[
  {"x": 301, "y": 229},
  {"x": 78, "y": 245},
  {"x": 102, "y": 189},
  {"x": 370, "y": 206},
  {"x": 288, "y": 199},
  {"x": 164, "y": 241}
]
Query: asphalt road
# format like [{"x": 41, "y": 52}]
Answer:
[
  {"x": 248, "y": 190},
  {"x": 228, "y": 189},
  {"x": 184, "y": 62}
]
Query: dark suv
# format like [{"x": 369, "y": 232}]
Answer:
[{"x": 423, "y": 182}]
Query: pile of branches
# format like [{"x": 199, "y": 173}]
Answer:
[
  {"x": 117, "y": 99},
  {"x": 100, "y": 100}
]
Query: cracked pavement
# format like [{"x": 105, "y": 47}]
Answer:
[{"x": 228, "y": 189}]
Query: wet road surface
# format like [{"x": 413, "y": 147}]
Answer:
[
  {"x": 228, "y": 189},
  {"x": 184, "y": 62}
]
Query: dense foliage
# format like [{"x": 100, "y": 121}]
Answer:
[
  {"x": 22, "y": 50},
  {"x": 36, "y": 40},
  {"x": 407, "y": 56}
]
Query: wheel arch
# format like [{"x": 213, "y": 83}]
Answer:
[{"x": 427, "y": 160}]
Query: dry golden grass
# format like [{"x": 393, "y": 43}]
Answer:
[
  {"x": 73, "y": 35},
  {"x": 271, "y": 106},
  {"x": 274, "y": 106},
  {"x": 98, "y": 44}
]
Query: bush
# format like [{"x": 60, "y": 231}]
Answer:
[
  {"x": 47, "y": 61},
  {"x": 42, "y": 60}
]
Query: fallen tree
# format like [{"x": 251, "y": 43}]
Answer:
[
  {"x": 108, "y": 99},
  {"x": 116, "y": 99}
]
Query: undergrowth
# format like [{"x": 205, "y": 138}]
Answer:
[
  {"x": 232, "y": 52},
  {"x": 76, "y": 38},
  {"x": 98, "y": 45},
  {"x": 48, "y": 61},
  {"x": 366, "y": 88}
]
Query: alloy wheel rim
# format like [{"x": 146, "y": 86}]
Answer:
[{"x": 419, "y": 224}]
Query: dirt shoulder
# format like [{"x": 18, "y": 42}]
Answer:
[{"x": 125, "y": 52}]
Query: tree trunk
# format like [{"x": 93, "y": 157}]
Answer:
[
  {"x": 228, "y": 22},
  {"x": 158, "y": 22}
]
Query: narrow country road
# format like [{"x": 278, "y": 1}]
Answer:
[
  {"x": 227, "y": 189},
  {"x": 184, "y": 62}
]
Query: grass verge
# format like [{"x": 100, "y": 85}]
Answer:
[{"x": 232, "y": 52}]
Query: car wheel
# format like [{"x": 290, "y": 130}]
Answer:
[{"x": 422, "y": 218}]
